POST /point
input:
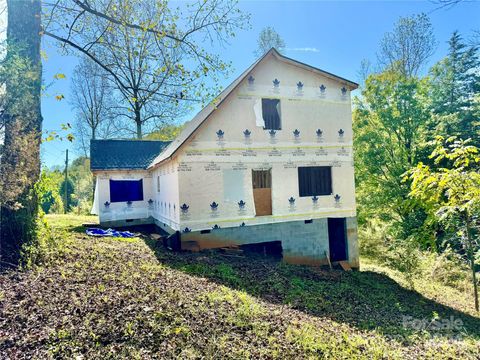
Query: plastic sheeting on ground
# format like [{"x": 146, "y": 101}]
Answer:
[{"x": 109, "y": 232}]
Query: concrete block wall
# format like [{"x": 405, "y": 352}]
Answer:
[
  {"x": 352, "y": 238},
  {"x": 302, "y": 243}
]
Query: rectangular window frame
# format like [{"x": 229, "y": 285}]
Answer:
[
  {"x": 271, "y": 122},
  {"x": 310, "y": 181}
]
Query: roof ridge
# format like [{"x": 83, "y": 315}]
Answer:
[
  {"x": 206, "y": 111},
  {"x": 132, "y": 140}
]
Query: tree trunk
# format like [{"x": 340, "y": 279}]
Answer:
[
  {"x": 474, "y": 280},
  {"x": 138, "y": 118},
  {"x": 471, "y": 259},
  {"x": 139, "y": 130},
  {"x": 20, "y": 167}
]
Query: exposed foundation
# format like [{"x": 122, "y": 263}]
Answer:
[{"x": 302, "y": 242}]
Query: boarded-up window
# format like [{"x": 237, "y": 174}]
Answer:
[
  {"x": 126, "y": 190},
  {"x": 271, "y": 114},
  {"x": 315, "y": 180}
]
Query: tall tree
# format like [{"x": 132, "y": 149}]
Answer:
[
  {"x": 20, "y": 157},
  {"x": 92, "y": 102},
  {"x": 267, "y": 39},
  {"x": 408, "y": 47},
  {"x": 452, "y": 193},
  {"x": 388, "y": 125},
  {"x": 455, "y": 81},
  {"x": 166, "y": 132},
  {"x": 154, "y": 54}
]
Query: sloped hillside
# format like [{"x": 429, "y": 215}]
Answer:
[{"x": 116, "y": 298}]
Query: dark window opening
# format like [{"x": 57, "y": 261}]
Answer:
[
  {"x": 204, "y": 231},
  {"x": 308, "y": 221},
  {"x": 261, "y": 179},
  {"x": 271, "y": 249},
  {"x": 271, "y": 114},
  {"x": 126, "y": 190},
  {"x": 315, "y": 180}
]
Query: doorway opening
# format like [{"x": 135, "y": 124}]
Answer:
[
  {"x": 262, "y": 191},
  {"x": 337, "y": 239}
]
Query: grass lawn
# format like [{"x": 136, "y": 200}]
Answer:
[{"x": 130, "y": 298}]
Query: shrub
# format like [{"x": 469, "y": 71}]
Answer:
[
  {"x": 83, "y": 207},
  {"x": 48, "y": 244},
  {"x": 447, "y": 268},
  {"x": 373, "y": 239}
]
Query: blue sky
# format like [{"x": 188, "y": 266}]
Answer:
[{"x": 332, "y": 35}]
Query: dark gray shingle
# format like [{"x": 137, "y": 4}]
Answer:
[{"x": 124, "y": 154}]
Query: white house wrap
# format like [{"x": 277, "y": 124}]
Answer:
[{"x": 270, "y": 160}]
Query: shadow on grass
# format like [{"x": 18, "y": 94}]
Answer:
[
  {"x": 80, "y": 229},
  {"x": 366, "y": 300}
]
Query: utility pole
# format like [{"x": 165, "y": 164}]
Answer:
[{"x": 65, "y": 202}]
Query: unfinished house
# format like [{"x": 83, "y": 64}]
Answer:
[{"x": 269, "y": 162}]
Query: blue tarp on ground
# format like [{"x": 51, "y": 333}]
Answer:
[{"x": 109, "y": 232}]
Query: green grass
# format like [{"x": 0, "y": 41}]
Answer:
[{"x": 105, "y": 298}]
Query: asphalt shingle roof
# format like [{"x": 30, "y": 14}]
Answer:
[{"x": 124, "y": 154}]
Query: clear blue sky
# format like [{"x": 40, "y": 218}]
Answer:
[{"x": 332, "y": 35}]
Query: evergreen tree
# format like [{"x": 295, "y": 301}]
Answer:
[{"x": 454, "y": 82}]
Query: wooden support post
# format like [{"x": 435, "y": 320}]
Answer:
[{"x": 328, "y": 259}]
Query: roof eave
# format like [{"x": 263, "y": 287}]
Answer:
[
  {"x": 117, "y": 169},
  {"x": 352, "y": 86}
]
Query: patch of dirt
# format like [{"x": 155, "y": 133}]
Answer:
[{"x": 107, "y": 298}]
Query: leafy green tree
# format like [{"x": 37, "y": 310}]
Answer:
[
  {"x": 47, "y": 189},
  {"x": 165, "y": 132},
  {"x": 409, "y": 46},
  {"x": 388, "y": 124},
  {"x": 157, "y": 56},
  {"x": 452, "y": 194},
  {"x": 455, "y": 82},
  {"x": 68, "y": 184},
  {"x": 83, "y": 181}
]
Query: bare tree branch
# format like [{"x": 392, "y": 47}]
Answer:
[{"x": 157, "y": 66}]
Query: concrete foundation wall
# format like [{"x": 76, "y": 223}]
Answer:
[
  {"x": 164, "y": 226},
  {"x": 352, "y": 238},
  {"x": 302, "y": 243}
]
